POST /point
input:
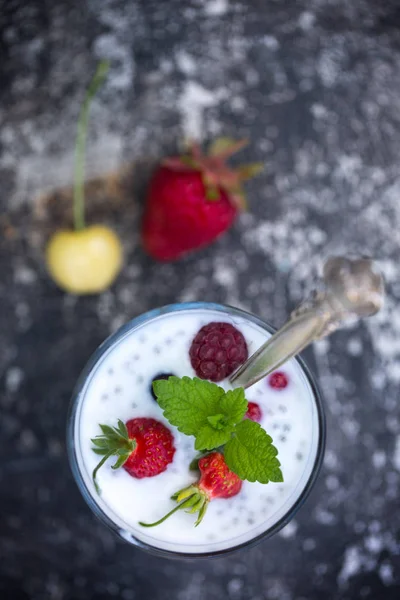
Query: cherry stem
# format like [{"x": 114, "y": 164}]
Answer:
[
  {"x": 183, "y": 504},
  {"x": 80, "y": 146}
]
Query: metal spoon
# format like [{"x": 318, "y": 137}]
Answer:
[{"x": 350, "y": 287}]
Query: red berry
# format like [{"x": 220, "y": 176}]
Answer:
[
  {"x": 278, "y": 380},
  {"x": 253, "y": 412},
  {"x": 191, "y": 201},
  {"x": 178, "y": 218},
  {"x": 217, "y": 350},
  {"x": 216, "y": 480},
  {"x": 144, "y": 447},
  {"x": 154, "y": 449}
]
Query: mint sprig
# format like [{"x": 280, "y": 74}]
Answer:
[
  {"x": 201, "y": 409},
  {"x": 215, "y": 418}
]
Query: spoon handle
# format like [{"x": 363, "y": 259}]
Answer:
[{"x": 350, "y": 288}]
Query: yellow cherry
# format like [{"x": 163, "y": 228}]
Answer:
[{"x": 86, "y": 261}]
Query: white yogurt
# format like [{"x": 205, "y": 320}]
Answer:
[{"x": 118, "y": 387}]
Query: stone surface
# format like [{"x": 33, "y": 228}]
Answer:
[{"x": 315, "y": 84}]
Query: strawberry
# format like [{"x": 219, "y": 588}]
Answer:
[
  {"x": 144, "y": 447},
  {"x": 216, "y": 481},
  {"x": 193, "y": 199}
]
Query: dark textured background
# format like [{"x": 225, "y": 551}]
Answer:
[{"x": 315, "y": 84}]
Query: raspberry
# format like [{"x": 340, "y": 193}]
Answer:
[
  {"x": 217, "y": 350},
  {"x": 278, "y": 380},
  {"x": 253, "y": 412},
  {"x": 156, "y": 378}
]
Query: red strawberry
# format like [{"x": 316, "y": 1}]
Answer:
[
  {"x": 253, "y": 412},
  {"x": 216, "y": 481},
  {"x": 144, "y": 447},
  {"x": 193, "y": 199}
]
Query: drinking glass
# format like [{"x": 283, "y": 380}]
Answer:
[{"x": 282, "y": 515}]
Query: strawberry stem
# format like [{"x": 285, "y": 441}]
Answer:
[
  {"x": 101, "y": 463},
  {"x": 80, "y": 146},
  {"x": 191, "y": 499},
  {"x": 183, "y": 504}
]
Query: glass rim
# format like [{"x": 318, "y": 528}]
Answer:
[{"x": 75, "y": 402}]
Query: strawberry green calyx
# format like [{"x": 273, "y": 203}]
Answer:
[
  {"x": 114, "y": 441},
  {"x": 191, "y": 499},
  {"x": 215, "y": 172}
]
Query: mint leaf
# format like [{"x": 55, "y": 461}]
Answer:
[
  {"x": 187, "y": 403},
  {"x": 217, "y": 421},
  {"x": 251, "y": 455},
  {"x": 201, "y": 409},
  {"x": 208, "y": 437},
  {"x": 218, "y": 430},
  {"x": 234, "y": 406}
]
